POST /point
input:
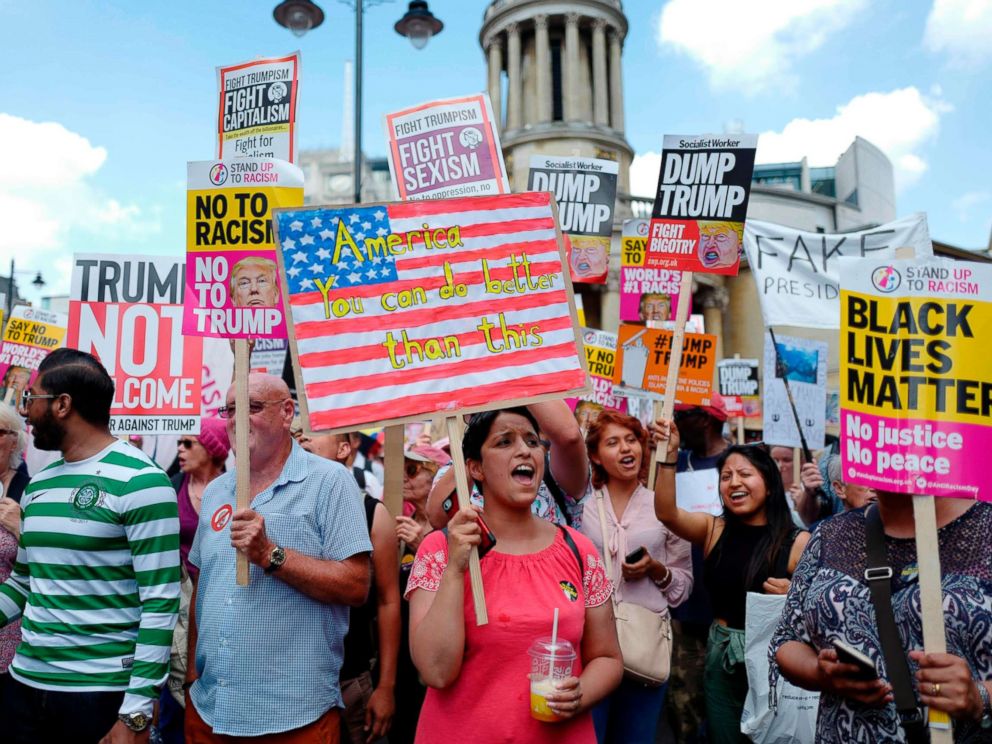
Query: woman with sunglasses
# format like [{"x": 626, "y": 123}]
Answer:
[
  {"x": 479, "y": 675},
  {"x": 753, "y": 546},
  {"x": 201, "y": 459},
  {"x": 420, "y": 463}
]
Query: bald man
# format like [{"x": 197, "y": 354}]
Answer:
[{"x": 268, "y": 656}]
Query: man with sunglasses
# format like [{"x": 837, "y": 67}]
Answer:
[
  {"x": 97, "y": 574},
  {"x": 267, "y": 657}
]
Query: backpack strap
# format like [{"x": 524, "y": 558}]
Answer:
[
  {"x": 574, "y": 548},
  {"x": 878, "y": 574}
]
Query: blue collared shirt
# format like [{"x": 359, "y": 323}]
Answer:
[{"x": 268, "y": 656}]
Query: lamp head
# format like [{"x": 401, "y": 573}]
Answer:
[
  {"x": 299, "y": 16},
  {"x": 418, "y": 24}
]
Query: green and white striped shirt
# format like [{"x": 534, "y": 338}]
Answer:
[{"x": 96, "y": 577}]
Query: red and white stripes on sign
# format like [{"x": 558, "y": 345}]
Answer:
[{"x": 346, "y": 368}]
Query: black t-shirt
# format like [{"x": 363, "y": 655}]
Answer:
[{"x": 359, "y": 643}]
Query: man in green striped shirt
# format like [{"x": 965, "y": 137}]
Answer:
[{"x": 96, "y": 580}]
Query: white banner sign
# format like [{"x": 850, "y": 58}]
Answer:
[
  {"x": 796, "y": 272},
  {"x": 804, "y": 364}
]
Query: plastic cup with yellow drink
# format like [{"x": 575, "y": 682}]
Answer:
[{"x": 550, "y": 662}]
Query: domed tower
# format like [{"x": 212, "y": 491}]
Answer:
[{"x": 563, "y": 94}]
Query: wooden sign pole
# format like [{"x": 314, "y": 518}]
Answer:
[
  {"x": 740, "y": 417},
  {"x": 797, "y": 466},
  {"x": 674, "y": 362},
  {"x": 392, "y": 489},
  {"x": 931, "y": 601},
  {"x": 931, "y": 591},
  {"x": 242, "y": 456},
  {"x": 454, "y": 424}
]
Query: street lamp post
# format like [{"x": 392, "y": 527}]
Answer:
[
  {"x": 38, "y": 283},
  {"x": 418, "y": 24}
]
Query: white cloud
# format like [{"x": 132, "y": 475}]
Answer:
[
  {"x": 751, "y": 45},
  {"x": 962, "y": 29},
  {"x": 966, "y": 205},
  {"x": 899, "y": 122},
  {"x": 47, "y": 197},
  {"x": 644, "y": 171}
]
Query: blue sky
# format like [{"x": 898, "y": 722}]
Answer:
[{"x": 102, "y": 102}]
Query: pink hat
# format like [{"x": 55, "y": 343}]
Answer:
[
  {"x": 423, "y": 453},
  {"x": 213, "y": 437}
]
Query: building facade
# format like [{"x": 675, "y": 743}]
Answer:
[
  {"x": 554, "y": 74},
  {"x": 328, "y": 176}
]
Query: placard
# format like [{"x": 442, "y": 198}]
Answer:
[
  {"x": 601, "y": 352},
  {"x": 234, "y": 288},
  {"x": 445, "y": 149},
  {"x": 805, "y": 367},
  {"x": 127, "y": 311},
  {"x": 697, "y": 221},
  {"x": 428, "y": 307},
  {"x": 916, "y": 375},
  {"x": 699, "y": 491},
  {"x": 646, "y": 293},
  {"x": 797, "y": 272},
  {"x": 642, "y": 363},
  {"x": 738, "y": 381},
  {"x": 586, "y": 192},
  {"x": 257, "y": 110},
  {"x": 31, "y": 335},
  {"x": 268, "y": 355}
]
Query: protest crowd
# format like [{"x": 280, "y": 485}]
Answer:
[
  {"x": 424, "y": 503},
  {"x": 578, "y": 532}
]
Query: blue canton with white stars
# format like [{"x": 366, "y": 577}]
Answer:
[{"x": 308, "y": 238}]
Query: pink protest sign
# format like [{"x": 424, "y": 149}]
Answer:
[
  {"x": 916, "y": 375},
  {"x": 446, "y": 148},
  {"x": 232, "y": 279}
]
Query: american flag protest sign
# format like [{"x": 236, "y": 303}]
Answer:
[{"x": 399, "y": 311}]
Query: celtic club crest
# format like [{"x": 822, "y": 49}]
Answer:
[{"x": 86, "y": 497}]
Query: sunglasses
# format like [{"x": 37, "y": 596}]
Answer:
[
  {"x": 28, "y": 398},
  {"x": 412, "y": 468},
  {"x": 186, "y": 443},
  {"x": 254, "y": 407}
]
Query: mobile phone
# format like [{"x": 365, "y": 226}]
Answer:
[
  {"x": 850, "y": 655},
  {"x": 635, "y": 555},
  {"x": 450, "y": 506}
]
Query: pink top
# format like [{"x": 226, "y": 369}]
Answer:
[
  {"x": 10, "y": 634},
  {"x": 489, "y": 702},
  {"x": 637, "y": 527}
]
